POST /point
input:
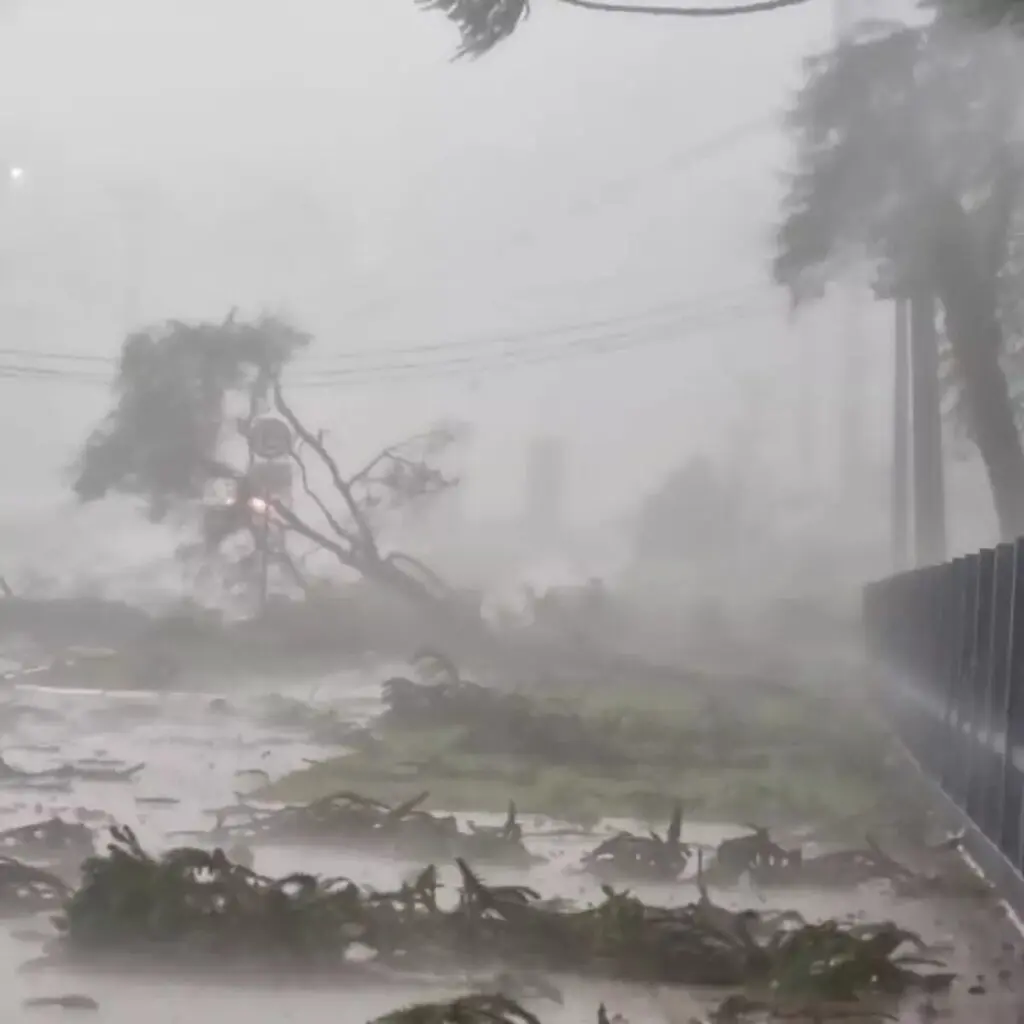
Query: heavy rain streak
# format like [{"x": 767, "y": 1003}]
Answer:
[{"x": 491, "y": 494}]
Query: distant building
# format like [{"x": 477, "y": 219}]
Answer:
[{"x": 545, "y": 488}]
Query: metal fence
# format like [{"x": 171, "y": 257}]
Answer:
[{"x": 952, "y": 637}]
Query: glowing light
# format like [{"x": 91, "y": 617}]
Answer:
[
  {"x": 16, "y": 174},
  {"x": 258, "y": 505}
]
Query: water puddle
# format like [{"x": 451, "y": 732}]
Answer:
[{"x": 200, "y": 751}]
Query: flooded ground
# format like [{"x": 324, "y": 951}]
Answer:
[{"x": 193, "y": 747}]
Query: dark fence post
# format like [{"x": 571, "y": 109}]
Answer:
[
  {"x": 955, "y": 633},
  {"x": 1011, "y": 839},
  {"x": 960, "y": 740},
  {"x": 978, "y": 764},
  {"x": 991, "y": 813}
]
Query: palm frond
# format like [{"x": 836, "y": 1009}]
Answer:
[{"x": 482, "y": 23}]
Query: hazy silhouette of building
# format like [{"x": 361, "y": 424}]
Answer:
[{"x": 544, "y": 489}]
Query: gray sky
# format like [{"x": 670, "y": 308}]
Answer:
[{"x": 326, "y": 159}]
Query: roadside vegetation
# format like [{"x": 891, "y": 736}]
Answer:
[
  {"x": 583, "y": 753},
  {"x": 191, "y": 909}
]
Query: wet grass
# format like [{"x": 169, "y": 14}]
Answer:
[
  {"x": 772, "y": 758},
  {"x": 777, "y": 793}
]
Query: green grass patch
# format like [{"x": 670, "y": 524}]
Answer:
[{"x": 769, "y": 759}]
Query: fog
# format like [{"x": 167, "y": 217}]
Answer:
[
  {"x": 592, "y": 504},
  {"x": 600, "y": 192}
]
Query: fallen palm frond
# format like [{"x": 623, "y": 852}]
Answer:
[
  {"x": 649, "y": 858},
  {"x": 195, "y": 904},
  {"x": 322, "y": 725},
  {"x": 405, "y": 830},
  {"x": 713, "y": 732},
  {"x": 474, "y": 1009},
  {"x": 25, "y": 889},
  {"x": 70, "y": 1002},
  {"x": 497, "y": 721},
  {"x": 50, "y": 840},
  {"x": 191, "y": 904},
  {"x": 766, "y": 864},
  {"x": 68, "y": 772}
]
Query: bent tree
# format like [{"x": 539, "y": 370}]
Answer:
[
  {"x": 170, "y": 437},
  {"x": 906, "y": 158}
]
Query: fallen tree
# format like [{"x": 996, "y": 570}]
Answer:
[{"x": 170, "y": 441}]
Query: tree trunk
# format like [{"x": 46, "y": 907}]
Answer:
[{"x": 968, "y": 295}]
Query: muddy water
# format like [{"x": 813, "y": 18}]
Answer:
[{"x": 193, "y": 751}]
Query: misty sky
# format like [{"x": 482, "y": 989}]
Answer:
[{"x": 327, "y": 160}]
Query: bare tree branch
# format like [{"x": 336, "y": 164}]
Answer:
[
  {"x": 292, "y": 568},
  {"x": 319, "y": 502},
  {"x": 375, "y": 568},
  {"x": 366, "y": 536},
  {"x": 397, "y": 558},
  {"x": 299, "y": 526},
  {"x": 391, "y": 452}
]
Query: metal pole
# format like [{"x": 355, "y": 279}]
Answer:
[
  {"x": 846, "y": 15},
  {"x": 929, "y": 483},
  {"x": 900, "y": 524},
  {"x": 806, "y": 411},
  {"x": 852, "y": 368},
  {"x": 263, "y": 544}
]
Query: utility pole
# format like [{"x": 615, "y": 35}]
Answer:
[
  {"x": 852, "y": 384},
  {"x": 545, "y": 487},
  {"x": 806, "y": 420},
  {"x": 846, "y": 16},
  {"x": 929, "y": 476}
]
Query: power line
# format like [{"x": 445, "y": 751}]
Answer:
[
  {"x": 480, "y": 342},
  {"x": 732, "y": 10},
  {"x": 551, "y": 331},
  {"x": 615, "y": 342},
  {"x": 628, "y": 186},
  {"x": 541, "y": 353},
  {"x": 484, "y": 24},
  {"x": 593, "y": 345},
  {"x": 684, "y": 160}
]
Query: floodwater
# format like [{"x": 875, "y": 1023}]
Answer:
[{"x": 193, "y": 749}]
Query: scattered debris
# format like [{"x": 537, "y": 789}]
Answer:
[
  {"x": 192, "y": 904},
  {"x": 48, "y": 841},
  {"x": 768, "y": 865},
  {"x": 498, "y": 721},
  {"x": 70, "y": 1002},
  {"x": 647, "y": 858},
  {"x": 25, "y": 889},
  {"x": 475, "y": 1009},
  {"x": 357, "y": 821},
  {"x": 84, "y": 772}
]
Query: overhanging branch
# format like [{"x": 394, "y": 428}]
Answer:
[
  {"x": 686, "y": 12},
  {"x": 999, "y": 210},
  {"x": 393, "y": 451},
  {"x": 484, "y": 24}
]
